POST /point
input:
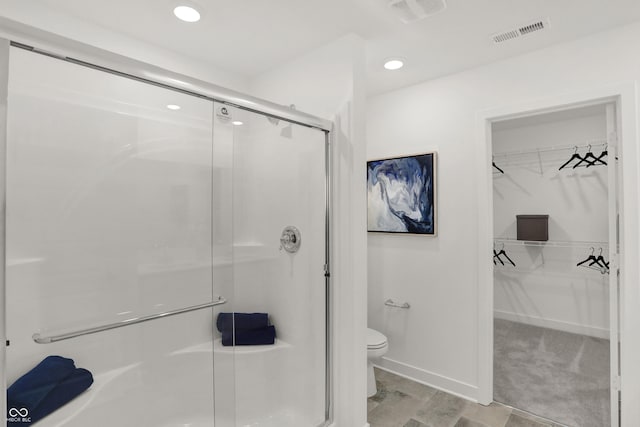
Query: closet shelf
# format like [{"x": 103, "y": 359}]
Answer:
[
  {"x": 552, "y": 243},
  {"x": 594, "y": 144}
]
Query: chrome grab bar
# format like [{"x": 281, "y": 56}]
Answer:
[
  {"x": 53, "y": 338},
  {"x": 391, "y": 303}
]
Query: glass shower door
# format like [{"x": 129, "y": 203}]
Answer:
[
  {"x": 277, "y": 348},
  {"x": 109, "y": 213}
]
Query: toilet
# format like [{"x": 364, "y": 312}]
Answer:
[{"x": 377, "y": 347}]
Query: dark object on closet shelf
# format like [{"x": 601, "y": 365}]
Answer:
[
  {"x": 533, "y": 228},
  {"x": 496, "y": 167}
]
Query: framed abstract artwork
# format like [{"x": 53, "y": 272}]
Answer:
[{"x": 402, "y": 194}]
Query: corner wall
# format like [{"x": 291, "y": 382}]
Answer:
[{"x": 436, "y": 341}]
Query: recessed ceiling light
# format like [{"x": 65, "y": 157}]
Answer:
[
  {"x": 173, "y": 107},
  {"x": 187, "y": 13},
  {"x": 393, "y": 64},
  {"x": 237, "y": 123}
]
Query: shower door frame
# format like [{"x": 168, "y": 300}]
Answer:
[{"x": 14, "y": 34}]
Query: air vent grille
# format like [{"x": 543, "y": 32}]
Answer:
[
  {"x": 531, "y": 28},
  {"x": 523, "y": 30},
  {"x": 409, "y": 11}
]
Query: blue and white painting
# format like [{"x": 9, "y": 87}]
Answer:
[{"x": 401, "y": 195}]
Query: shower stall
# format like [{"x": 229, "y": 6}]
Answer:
[{"x": 140, "y": 205}]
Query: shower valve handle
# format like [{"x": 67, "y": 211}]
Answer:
[{"x": 290, "y": 239}]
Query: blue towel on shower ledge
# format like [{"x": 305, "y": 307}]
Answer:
[
  {"x": 51, "y": 384},
  {"x": 241, "y": 321},
  {"x": 29, "y": 390},
  {"x": 262, "y": 336},
  {"x": 63, "y": 393}
]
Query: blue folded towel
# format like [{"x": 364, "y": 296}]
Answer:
[
  {"x": 29, "y": 390},
  {"x": 262, "y": 336},
  {"x": 63, "y": 393},
  {"x": 51, "y": 384},
  {"x": 241, "y": 321}
]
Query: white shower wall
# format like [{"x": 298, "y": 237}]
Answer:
[
  {"x": 108, "y": 218},
  {"x": 329, "y": 82},
  {"x": 546, "y": 288},
  {"x": 270, "y": 181}
]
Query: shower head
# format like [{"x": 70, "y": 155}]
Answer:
[
  {"x": 275, "y": 121},
  {"x": 287, "y": 131}
]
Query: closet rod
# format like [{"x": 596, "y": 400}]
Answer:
[
  {"x": 593, "y": 144},
  {"x": 552, "y": 243}
]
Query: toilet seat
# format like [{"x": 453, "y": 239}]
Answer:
[
  {"x": 377, "y": 346},
  {"x": 375, "y": 340}
]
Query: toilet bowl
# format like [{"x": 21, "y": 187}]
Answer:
[{"x": 377, "y": 347}]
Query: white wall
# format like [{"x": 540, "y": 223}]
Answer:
[
  {"x": 329, "y": 82},
  {"x": 546, "y": 288},
  {"x": 437, "y": 339},
  {"x": 40, "y": 15}
]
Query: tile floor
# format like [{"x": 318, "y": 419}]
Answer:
[{"x": 404, "y": 403}]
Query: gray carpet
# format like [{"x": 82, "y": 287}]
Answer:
[{"x": 557, "y": 375}]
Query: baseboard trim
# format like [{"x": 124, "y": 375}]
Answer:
[
  {"x": 560, "y": 325},
  {"x": 446, "y": 384}
]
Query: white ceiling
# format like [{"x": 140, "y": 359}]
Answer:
[{"x": 253, "y": 36}]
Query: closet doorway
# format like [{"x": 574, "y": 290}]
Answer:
[{"x": 555, "y": 210}]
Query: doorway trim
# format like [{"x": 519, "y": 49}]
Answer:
[{"x": 624, "y": 95}]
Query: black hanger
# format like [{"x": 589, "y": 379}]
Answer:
[
  {"x": 587, "y": 158},
  {"x": 589, "y": 258},
  {"x": 600, "y": 261},
  {"x": 496, "y": 256},
  {"x": 496, "y": 166},
  {"x": 503, "y": 253},
  {"x": 602, "y": 155},
  {"x": 575, "y": 156}
]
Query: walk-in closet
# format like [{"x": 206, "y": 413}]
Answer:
[{"x": 555, "y": 275}]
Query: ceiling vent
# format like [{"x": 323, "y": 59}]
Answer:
[
  {"x": 409, "y": 11},
  {"x": 523, "y": 30}
]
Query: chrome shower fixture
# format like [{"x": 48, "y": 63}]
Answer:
[{"x": 290, "y": 239}]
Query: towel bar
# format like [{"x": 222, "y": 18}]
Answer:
[
  {"x": 53, "y": 338},
  {"x": 391, "y": 303}
]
